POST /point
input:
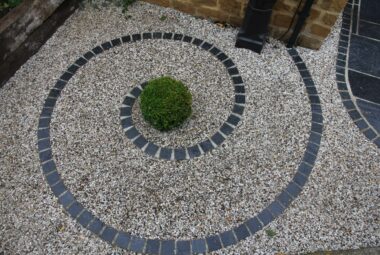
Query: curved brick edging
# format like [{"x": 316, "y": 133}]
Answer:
[
  {"x": 205, "y": 146},
  {"x": 173, "y": 247},
  {"x": 341, "y": 75},
  {"x": 194, "y": 151}
]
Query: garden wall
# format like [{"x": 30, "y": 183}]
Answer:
[{"x": 323, "y": 16}]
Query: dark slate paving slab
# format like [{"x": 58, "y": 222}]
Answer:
[
  {"x": 213, "y": 243},
  {"x": 152, "y": 246},
  {"x": 168, "y": 247},
  {"x": 253, "y": 225},
  {"x": 355, "y": 19},
  {"x": 108, "y": 234},
  {"x": 123, "y": 240},
  {"x": 227, "y": 238},
  {"x": 241, "y": 232},
  {"x": 371, "y": 112},
  {"x": 365, "y": 86},
  {"x": 198, "y": 246},
  {"x": 370, "y": 10},
  {"x": 183, "y": 247},
  {"x": 85, "y": 218},
  {"x": 369, "y": 29},
  {"x": 365, "y": 55}
]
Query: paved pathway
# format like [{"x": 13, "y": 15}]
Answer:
[{"x": 358, "y": 65}]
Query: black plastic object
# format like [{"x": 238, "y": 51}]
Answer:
[
  {"x": 303, "y": 15},
  {"x": 253, "y": 33}
]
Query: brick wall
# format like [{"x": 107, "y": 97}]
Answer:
[{"x": 323, "y": 16}]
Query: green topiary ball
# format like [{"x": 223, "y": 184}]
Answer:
[{"x": 165, "y": 103}]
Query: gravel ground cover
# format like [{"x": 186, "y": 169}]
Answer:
[{"x": 193, "y": 198}]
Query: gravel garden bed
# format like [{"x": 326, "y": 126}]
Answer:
[{"x": 192, "y": 198}]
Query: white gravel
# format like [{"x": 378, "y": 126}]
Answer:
[{"x": 194, "y": 198}]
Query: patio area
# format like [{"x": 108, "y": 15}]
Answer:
[{"x": 269, "y": 163}]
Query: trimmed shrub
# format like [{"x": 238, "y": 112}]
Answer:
[{"x": 165, "y": 103}]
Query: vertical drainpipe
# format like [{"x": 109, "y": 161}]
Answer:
[
  {"x": 303, "y": 15},
  {"x": 253, "y": 33}
]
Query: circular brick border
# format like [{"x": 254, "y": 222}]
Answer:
[
  {"x": 165, "y": 153},
  {"x": 205, "y": 146},
  {"x": 173, "y": 247}
]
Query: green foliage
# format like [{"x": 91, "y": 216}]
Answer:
[
  {"x": 9, "y": 4},
  {"x": 126, "y": 4},
  {"x": 270, "y": 232},
  {"x": 166, "y": 103},
  {"x": 163, "y": 18}
]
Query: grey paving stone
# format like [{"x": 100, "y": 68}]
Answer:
[
  {"x": 58, "y": 189},
  {"x": 49, "y": 167},
  {"x": 213, "y": 243},
  {"x": 313, "y": 148},
  {"x": 371, "y": 112},
  {"x": 167, "y": 247},
  {"x": 194, "y": 151},
  {"x": 238, "y": 109},
  {"x": 253, "y": 225},
  {"x": 226, "y": 129},
  {"x": 241, "y": 232},
  {"x": 293, "y": 189},
  {"x": 137, "y": 244},
  {"x": 140, "y": 142},
  {"x": 81, "y": 61},
  {"x": 275, "y": 208},
  {"x": 73, "y": 68},
  {"x": 370, "y": 134},
  {"x": 132, "y": 133},
  {"x": 300, "y": 179},
  {"x": 228, "y": 238},
  {"x": 66, "y": 199},
  {"x": 265, "y": 217},
  {"x": 126, "y": 111},
  {"x": 88, "y": 55},
  {"x": 147, "y": 36},
  {"x": 108, "y": 234},
  {"x": 217, "y": 138},
  {"x": 364, "y": 55},
  {"x": 305, "y": 169},
  {"x": 180, "y": 154},
  {"x": 165, "y": 153},
  {"x": 233, "y": 120},
  {"x": 85, "y": 218},
  {"x": 151, "y": 149},
  {"x": 75, "y": 209},
  {"x": 198, "y": 246},
  {"x": 183, "y": 247},
  {"x": 97, "y": 50},
  {"x": 43, "y": 144},
  {"x": 152, "y": 246},
  {"x": 123, "y": 239},
  {"x": 52, "y": 178},
  {"x": 284, "y": 198},
  {"x": 46, "y": 155},
  {"x": 96, "y": 226},
  {"x": 361, "y": 124},
  {"x": 206, "y": 145},
  {"x": 126, "y": 39}
]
